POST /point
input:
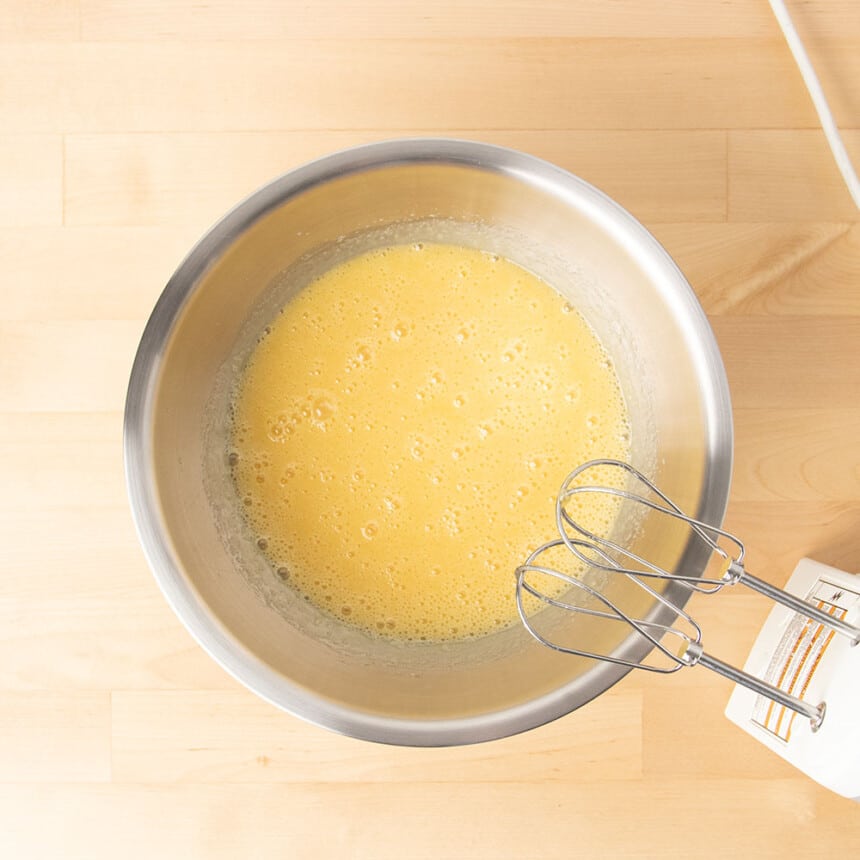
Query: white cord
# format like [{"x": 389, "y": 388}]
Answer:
[{"x": 831, "y": 131}]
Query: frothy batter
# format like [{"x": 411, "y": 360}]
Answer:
[{"x": 401, "y": 431}]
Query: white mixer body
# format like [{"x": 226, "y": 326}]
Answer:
[{"x": 809, "y": 660}]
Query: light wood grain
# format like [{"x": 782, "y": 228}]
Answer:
[
  {"x": 31, "y": 176},
  {"x": 788, "y": 175},
  {"x": 53, "y": 455},
  {"x": 800, "y": 454},
  {"x": 114, "y": 638},
  {"x": 426, "y": 820},
  {"x": 691, "y": 705},
  {"x": 217, "y": 737},
  {"x": 126, "y": 129},
  {"x": 429, "y": 84},
  {"x": 42, "y": 20},
  {"x": 769, "y": 269},
  {"x": 55, "y": 737},
  {"x": 790, "y": 362},
  {"x": 68, "y": 366},
  {"x": 778, "y": 534},
  {"x": 107, "y": 20},
  {"x": 270, "y": 19},
  {"x": 79, "y": 609},
  {"x": 90, "y": 273},
  {"x": 166, "y": 179}
]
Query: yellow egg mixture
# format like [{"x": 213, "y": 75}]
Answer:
[{"x": 402, "y": 429}]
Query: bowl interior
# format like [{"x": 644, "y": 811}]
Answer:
[{"x": 247, "y": 267}]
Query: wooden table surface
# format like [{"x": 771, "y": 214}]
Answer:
[{"x": 126, "y": 129}]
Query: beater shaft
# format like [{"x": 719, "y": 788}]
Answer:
[
  {"x": 801, "y": 606},
  {"x": 697, "y": 656}
]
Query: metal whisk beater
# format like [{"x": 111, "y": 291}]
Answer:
[{"x": 600, "y": 553}]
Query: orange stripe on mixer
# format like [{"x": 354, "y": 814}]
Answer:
[
  {"x": 798, "y": 670},
  {"x": 773, "y": 705},
  {"x": 821, "y": 651}
]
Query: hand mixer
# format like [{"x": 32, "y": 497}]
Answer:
[{"x": 806, "y": 646}]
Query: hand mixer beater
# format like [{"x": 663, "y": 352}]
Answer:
[{"x": 584, "y": 580}]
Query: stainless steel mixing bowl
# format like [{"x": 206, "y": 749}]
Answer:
[{"x": 177, "y": 419}]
